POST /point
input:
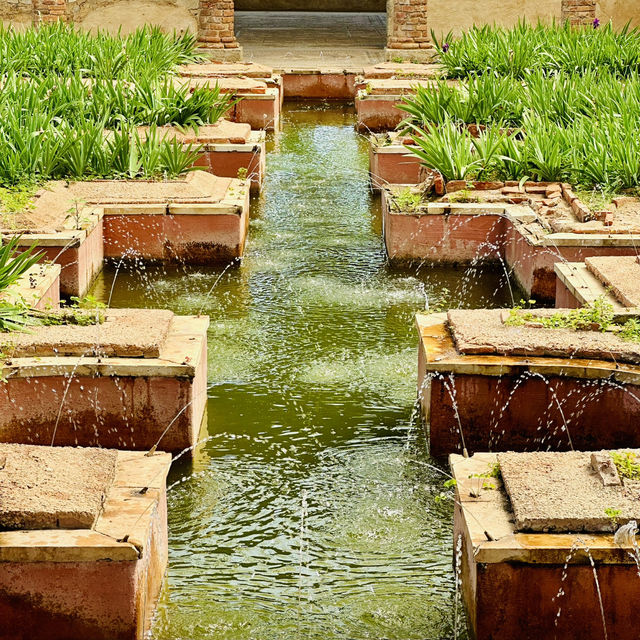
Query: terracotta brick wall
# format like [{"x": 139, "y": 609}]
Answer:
[
  {"x": 215, "y": 24},
  {"x": 407, "y": 24},
  {"x": 49, "y": 10},
  {"x": 579, "y": 12}
]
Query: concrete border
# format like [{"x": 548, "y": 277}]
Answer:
[
  {"x": 102, "y": 583},
  {"x": 540, "y": 582}
]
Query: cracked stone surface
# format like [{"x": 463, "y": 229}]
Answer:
[
  {"x": 482, "y": 332},
  {"x": 53, "y": 487},
  {"x": 561, "y": 492},
  {"x": 132, "y": 333}
]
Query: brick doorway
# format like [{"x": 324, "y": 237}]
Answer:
[{"x": 329, "y": 37}]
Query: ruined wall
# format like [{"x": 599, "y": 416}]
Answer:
[
  {"x": 578, "y": 11},
  {"x": 619, "y": 12},
  {"x": 459, "y": 15},
  {"x": 216, "y": 25},
  {"x": 368, "y": 6},
  {"x": 408, "y": 24},
  {"x": 409, "y": 21},
  {"x": 107, "y": 14}
]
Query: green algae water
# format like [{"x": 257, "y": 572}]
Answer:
[{"x": 309, "y": 511}]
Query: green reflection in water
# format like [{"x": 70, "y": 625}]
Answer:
[{"x": 308, "y": 513}]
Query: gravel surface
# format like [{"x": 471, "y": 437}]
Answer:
[
  {"x": 132, "y": 333},
  {"x": 484, "y": 332},
  {"x": 53, "y": 487},
  {"x": 561, "y": 492}
]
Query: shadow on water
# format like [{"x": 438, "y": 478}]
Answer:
[{"x": 305, "y": 514}]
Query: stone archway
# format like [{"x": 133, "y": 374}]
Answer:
[{"x": 407, "y": 32}]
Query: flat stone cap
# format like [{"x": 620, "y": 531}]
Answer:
[
  {"x": 226, "y": 84},
  {"x": 126, "y": 333},
  {"x": 482, "y": 332},
  {"x": 53, "y": 487},
  {"x": 54, "y": 204},
  {"x": 221, "y": 69},
  {"x": 562, "y": 492},
  {"x": 395, "y": 86},
  {"x": 621, "y": 274},
  {"x": 222, "y": 132},
  {"x": 402, "y": 70}
]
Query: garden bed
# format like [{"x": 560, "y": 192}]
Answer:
[
  {"x": 390, "y": 162},
  {"x": 496, "y": 387},
  {"x": 529, "y": 226},
  {"x": 256, "y": 103},
  {"x": 227, "y": 149},
  {"x": 198, "y": 219},
  {"x": 85, "y": 552},
  {"x": 565, "y": 583},
  {"x": 377, "y": 101},
  {"x": 121, "y": 382}
]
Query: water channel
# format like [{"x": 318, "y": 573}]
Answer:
[{"x": 308, "y": 513}]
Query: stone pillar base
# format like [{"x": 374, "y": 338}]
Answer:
[
  {"x": 221, "y": 55},
  {"x": 411, "y": 55}
]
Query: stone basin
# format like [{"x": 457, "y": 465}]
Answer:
[
  {"x": 95, "y": 567},
  {"x": 490, "y": 387},
  {"x": 512, "y": 580}
]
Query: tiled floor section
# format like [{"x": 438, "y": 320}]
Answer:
[{"x": 304, "y": 39}]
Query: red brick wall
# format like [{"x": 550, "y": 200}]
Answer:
[
  {"x": 49, "y": 10},
  {"x": 215, "y": 23},
  {"x": 407, "y": 25},
  {"x": 579, "y": 12}
]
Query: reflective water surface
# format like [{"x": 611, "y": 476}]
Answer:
[{"x": 309, "y": 513}]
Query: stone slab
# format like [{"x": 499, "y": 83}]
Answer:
[
  {"x": 400, "y": 86},
  {"x": 561, "y": 492},
  {"x": 222, "y": 69},
  {"x": 127, "y": 333},
  {"x": 222, "y": 132},
  {"x": 403, "y": 70},
  {"x": 226, "y": 84},
  {"x": 53, "y": 487},
  {"x": 54, "y": 206},
  {"x": 482, "y": 332},
  {"x": 621, "y": 274}
]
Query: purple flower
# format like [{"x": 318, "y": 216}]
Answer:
[
  {"x": 596, "y": 23},
  {"x": 445, "y": 47}
]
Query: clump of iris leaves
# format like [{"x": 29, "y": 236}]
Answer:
[
  {"x": 61, "y": 89},
  {"x": 554, "y": 103}
]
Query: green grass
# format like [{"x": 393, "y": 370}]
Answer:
[
  {"x": 61, "y": 49},
  {"x": 627, "y": 464},
  {"x": 18, "y": 198},
  {"x": 549, "y": 48},
  {"x": 599, "y": 314},
  {"x": 63, "y": 88},
  {"x": 558, "y": 103}
]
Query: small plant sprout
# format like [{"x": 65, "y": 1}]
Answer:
[
  {"x": 87, "y": 302},
  {"x": 493, "y": 472},
  {"x": 74, "y": 212},
  {"x": 613, "y": 515},
  {"x": 242, "y": 173},
  {"x": 627, "y": 464},
  {"x": 407, "y": 200},
  {"x": 443, "y": 496},
  {"x": 597, "y": 316}
]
